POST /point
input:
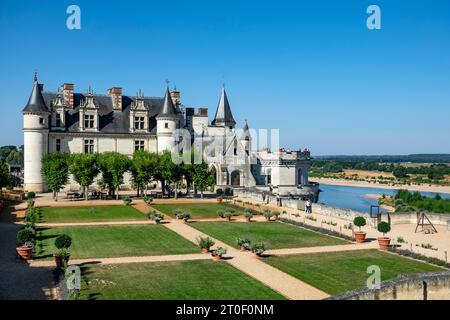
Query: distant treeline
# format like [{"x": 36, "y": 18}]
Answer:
[
  {"x": 406, "y": 201},
  {"x": 416, "y": 158},
  {"x": 433, "y": 172}
]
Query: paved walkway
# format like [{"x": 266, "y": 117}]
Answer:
[
  {"x": 122, "y": 260},
  {"x": 17, "y": 279},
  {"x": 248, "y": 263}
]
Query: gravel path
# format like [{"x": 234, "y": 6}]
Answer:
[{"x": 17, "y": 279}]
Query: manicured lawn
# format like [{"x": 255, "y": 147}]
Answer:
[
  {"x": 115, "y": 241},
  {"x": 275, "y": 234},
  {"x": 197, "y": 210},
  {"x": 338, "y": 272},
  {"x": 199, "y": 280},
  {"x": 90, "y": 213}
]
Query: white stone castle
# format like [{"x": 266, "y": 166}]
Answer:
[{"x": 66, "y": 121}]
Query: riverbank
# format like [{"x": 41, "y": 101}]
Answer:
[{"x": 350, "y": 183}]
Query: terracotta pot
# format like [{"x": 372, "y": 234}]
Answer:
[
  {"x": 243, "y": 248},
  {"x": 219, "y": 199},
  {"x": 25, "y": 253},
  {"x": 205, "y": 250},
  {"x": 384, "y": 242},
  {"x": 60, "y": 262},
  {"x": 248, "y": 219},
  {"x": 217, "y": 258},
  {"x": 360, "y": 237}
]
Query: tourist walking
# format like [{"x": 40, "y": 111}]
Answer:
[{"x": 308, "y": 206}]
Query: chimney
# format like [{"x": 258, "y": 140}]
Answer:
[
  {"x": 116, "y": 97},
  {"x": 67, "y": 90},
  {"x": 203, "y": 112},
  {"x": 175, "y": 95}
]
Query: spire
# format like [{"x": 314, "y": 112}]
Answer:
[
  {"x": 245, "y": 132},
  {"x": 168, "y": 110},
  {"x": 36, "y": 102},
  {"x": 223, "y": 116}
]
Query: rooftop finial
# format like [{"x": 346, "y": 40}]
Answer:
[
  {"x": 167, "y": 83},
  {"x": 35, "y": 75}
]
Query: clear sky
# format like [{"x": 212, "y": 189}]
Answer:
[{"x": 310, "y": 68}]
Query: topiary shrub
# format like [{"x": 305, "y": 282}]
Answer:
[
  {"x": 31, "y": 195},
  {"x": 24, "y": 236},
  {"x": 219, "y": 192},
  {"x": 63, "y": 241},
  {"x": 384, "y": 227},
  {"x": 221, "y": 213},
  {"x": 359, "y": 222},
  {"x": 127, "y": 201},
  {"x": 205, "y": 243}
]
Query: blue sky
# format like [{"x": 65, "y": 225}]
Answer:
[{"x": 310, "y": 68}]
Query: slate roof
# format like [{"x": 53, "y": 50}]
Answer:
[
  {"x": 36, "y": 102},
  {"x": 110, "y": 121},
  {"x": 223, "y": 116},
  {"x": 168, "y": 109},
  {"x": 245, "y": 132}
]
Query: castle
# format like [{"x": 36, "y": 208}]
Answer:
[{"x": 66, "y": 121}]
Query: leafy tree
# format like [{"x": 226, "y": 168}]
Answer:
[
  {"x": 6, "y": 150},
  {"x": 202, "y": 177},
  {"x": 114, "y": 164},
  {"x": 15, "y": 157},
  {"x": 55, "y": 169},
  {"x": 400, "y": 172},
  {"x": 84, "y": 169},
  {"x": 5, "y": 179},
  {"x": 169, "y": 171},
  {"x": 143, "y": 167}
]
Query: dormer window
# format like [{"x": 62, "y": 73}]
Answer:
[
  {"x": 41, "y": 120},
  {"x": 89, "y": 121},
  {"x": 139, "y": 123},
  {"x": 166, "y": 125},
  {"x": 58, "y": 120}
]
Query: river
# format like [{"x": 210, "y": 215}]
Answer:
[{"x": 348, "y": 197}]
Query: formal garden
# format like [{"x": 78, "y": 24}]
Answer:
[{"x": 167, "y": 249}]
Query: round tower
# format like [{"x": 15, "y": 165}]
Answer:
[
  {"x": 35, "y": 133},
  {"x": 167, "y": 121}
]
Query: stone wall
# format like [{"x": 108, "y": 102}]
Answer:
[
  {"x": 426, "y": 286},
  {"x": 346, "y": 214}
]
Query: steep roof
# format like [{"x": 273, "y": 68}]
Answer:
[
  {"x": 110, "y": 121},
  {"x": 36, "y": 103},
  {"x": 168, "y": 109},
  {"x": 223, "y": 116}
]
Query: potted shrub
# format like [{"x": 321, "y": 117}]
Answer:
[
  {"x": 25, "y": 250},
  {"x": 127, "y": 201},
  {"x": 383, "y": 241},
  {"x": 177, "y": 213},
  {"x": 275, "y": 214},
  {"x": 31, "y": 195},
  {"x": 148, "y": 200},
  {"x": 219, "y": 199},
  {"x": 228, "y": 215},
  {"x": 185, "y": 215},
  {"x": 248, "y": 216},
  {"x": 221, "y": 213},
  {"x": 359, "y": 235},
  {"x": 267, "y": 214},
  {"x": 259, "y": 248},
  {"x": 62, "y": 242},
  {"x": 244, "y": 244},
  {"x": 218, "y": 253},
  {"x": 152, "y": 215},
  {"x": 205, "y": 243}
]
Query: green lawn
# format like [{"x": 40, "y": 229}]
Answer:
[
  {"x": 338, "y": 272},
  {"x": 275, "y": 234},
  {"x": 90, "y": 213},
  {"x": 199, "y": 280},
  {"x": 197, "y": 210},
  {"x": 115, "y": 241}
]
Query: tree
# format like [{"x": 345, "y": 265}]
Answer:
[
  {"x": 114, "y": 164},
  {"x": 169, "y": 171},
  {"x": 55, "y": 167},
  {"x": 84, "y": 169},
  {"x": 6, "y": 150},
  {"x": 202, "y": 177},
  {"x": 5, "y": 179},
  {"x": 143, "y": 166},
  {"x": 400, "y": 172}
]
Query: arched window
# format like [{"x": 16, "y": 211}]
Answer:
[{"x": 236, "y": 178}]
